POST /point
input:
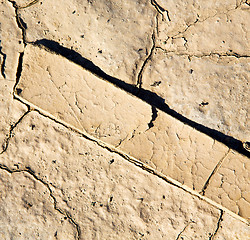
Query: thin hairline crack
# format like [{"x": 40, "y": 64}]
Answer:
[
  {"x": 11, "y": 132},
  {"x": 139, "y": 78},
  {"x": 32, "y": 173}
]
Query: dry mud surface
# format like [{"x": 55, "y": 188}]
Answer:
[{"x": 124, "y": 119}]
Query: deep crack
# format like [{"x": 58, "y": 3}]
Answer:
[
  {"x": 3, "y": 62},
  {"x": 145, "y": 95},
  {"x": 19, "y": 69},
  {"x": 154, "y": 116},
  {"x": 32, "y": 173},
  {"x": 160, "y": 10},
  {"x": 20, "y": 23}
]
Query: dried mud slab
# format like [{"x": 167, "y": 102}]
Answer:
[
  {"x": 107, "y": 197},
  {"x": 230, "y": 184},
  {"x": 115, "y": 35},
  {"x": 27, "y": 210},
  {"x": 77, "y": 97}
]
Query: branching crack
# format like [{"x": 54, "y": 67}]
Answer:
[
  {"x": 11, "y": 134},
  {"x": 139, "y": 79},
  {"x": 203, "y": 191},
  {"x": 205, "y": 19},
  {"x": 211, "y": 237},
  {"x": 188, "y": 26},
  {"x": 161, "y": 10},
  {"x": 154, "y": 116},
  {"x": 3, "y": 62},
  {"x": 32, "y": 173}
]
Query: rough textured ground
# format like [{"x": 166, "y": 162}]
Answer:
[{"x": 124, "y": 119}]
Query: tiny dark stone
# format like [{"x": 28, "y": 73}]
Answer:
[
  {"x": 155, "y": 84},
  {"x": 111, "y": 161},
  {"x": 100, "y": 51},
  {"x": 191, "y": 71},
  {"x": 203, "y": 103}
]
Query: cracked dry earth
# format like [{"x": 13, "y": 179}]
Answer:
[{"x": 124, "y": 119}]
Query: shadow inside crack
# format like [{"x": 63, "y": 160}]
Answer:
[{"x": 147, "y": 96}]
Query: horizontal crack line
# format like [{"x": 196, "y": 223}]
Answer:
[
  {"x": 226, "y": 54},
  {"x": 32, "y": 173},
  {"x": 145, "y": 95}
]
